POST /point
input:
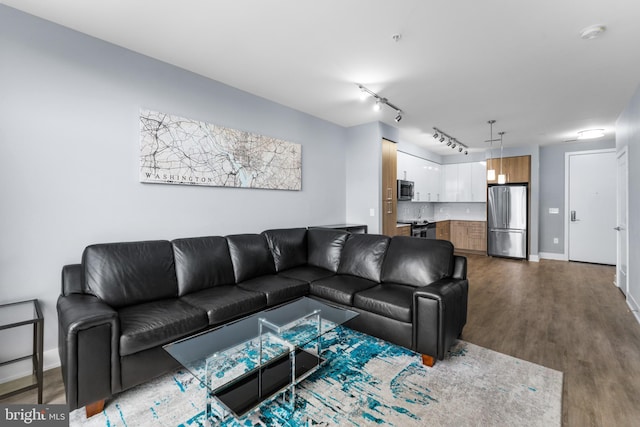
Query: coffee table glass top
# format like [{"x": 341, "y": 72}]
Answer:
[{"x": 254, "y": 358}]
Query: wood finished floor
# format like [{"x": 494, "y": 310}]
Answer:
[{"x": 566, "y": 316}]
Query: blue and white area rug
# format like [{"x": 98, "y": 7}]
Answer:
[{"x": 367, "y": 382}]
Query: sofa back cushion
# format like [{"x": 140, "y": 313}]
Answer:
[
  {"x": 123, "y": 274},
  {"x": 201, "y": 263},
  {"x": 288, "y": 247},
  {"x": 417, "y": 262},
  {"x": 325, "y": 246},
  {"x": 250, "y": 256},
  {"x": 362, "y": 256}
]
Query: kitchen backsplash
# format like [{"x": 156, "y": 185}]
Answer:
[{"x": 442, "y": 211}]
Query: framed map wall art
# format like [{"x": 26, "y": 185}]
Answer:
[{"x": 176, "y": 150}]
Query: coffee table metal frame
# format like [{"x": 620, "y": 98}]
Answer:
[{"x": 251, "y": 361}]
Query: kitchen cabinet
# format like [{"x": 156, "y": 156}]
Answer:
[
  {"x": 403, "y": 230},
  {"x": 425, "y": 175},
  {"x": 389, "y": 187},
  {"x": 469, "y": 235},
  {"x": 443, "y": 230},
  {"x": 464, "y": 182},
  {"x": 517, "y": 169}
]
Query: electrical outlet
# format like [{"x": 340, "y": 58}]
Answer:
[
  {"x": 556, "y": 240},
  {"x": 372, "y": 212},
  {"x": 554, "y": 211}
]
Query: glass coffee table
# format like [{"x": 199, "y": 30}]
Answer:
[{"x": 257, "y": 358}]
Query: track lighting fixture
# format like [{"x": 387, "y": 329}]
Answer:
[
  {"x": 380, "y": 101},
  {"x": 452, "y": 142}
]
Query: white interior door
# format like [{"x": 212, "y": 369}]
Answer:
[
  {"x": 592, "y": 206},
  {"x": 622, "y": 229}
]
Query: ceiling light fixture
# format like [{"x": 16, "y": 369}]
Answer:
[
  {"x": 592, "y": 32},
  {"x": 502, "y": 178},
  {"x": 491, "y": 172},
  {"x": 591, "y": 134},
  {"x": 380, "y": 101},
  {"x": 452, "y": 142}
]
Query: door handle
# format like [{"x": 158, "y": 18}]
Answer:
[
  {"x": 573, "y": 216},
  {"x": 618, "y": 228}
]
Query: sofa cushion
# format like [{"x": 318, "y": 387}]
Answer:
[
  {"x": 362, "y": 256},
  {"x": 250, "y": 256},
  {"x": 288, "y": 247},
  {"x": 225, "y": 303},
  {"x": 307, "y": 273},
  {"x": 151, "y": 324},
  {"x": 276, "y": 288},
  {"x": 417, "y": 262},
  {"x": 325, "y": 246},
  {"x": 201, "y": 263},
  {"x": 130, "y": 273},
  {"x": 340, "y": 289},
  {"x": 388, "y": 300}
]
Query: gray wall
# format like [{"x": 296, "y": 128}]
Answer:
[
  {"x": 628, "y": 135},
  {"x": 69, "y": 132},
  {"x": 552, "y": 190}
]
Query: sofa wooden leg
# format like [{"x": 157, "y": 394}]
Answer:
[
  {"x": 428, "y": 360},
  {"x": 94, "y": 408}
]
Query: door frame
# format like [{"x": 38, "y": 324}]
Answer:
[
  {"x": 619, "y": 153},
  {"x": 567, "y": 175}
]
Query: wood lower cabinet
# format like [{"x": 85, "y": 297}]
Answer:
[
  {"x": 403, "y": 230},
  {"x": 443, "y": 230},
  {"x": 469, "y": 235}
]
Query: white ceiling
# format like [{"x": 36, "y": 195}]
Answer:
[{"x": 458, "y": 64}]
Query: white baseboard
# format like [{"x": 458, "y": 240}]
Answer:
[
  {"x": 534, "y": 258},
  {"x": 13, "y": 371},
  {"x": 633, "y": 306},
  {"x": 553, "y": 255}
]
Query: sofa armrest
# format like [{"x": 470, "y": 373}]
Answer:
[
  {"x": 459, "y": 267},
  {"x": 88, "y": 337},
  {"x": 439, "y": 314},
  {"x": 71, "y": 279}
]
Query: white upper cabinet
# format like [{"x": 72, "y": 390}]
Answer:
[
  {"x": 479, "y": 182},
  {"x": 433, "y": 182}
]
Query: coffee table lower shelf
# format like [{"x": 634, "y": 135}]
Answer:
[{"x": 266, "y": 382}]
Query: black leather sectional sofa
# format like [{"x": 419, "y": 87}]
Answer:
[{"x": 125, "y": 300}]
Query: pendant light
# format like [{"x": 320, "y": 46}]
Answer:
[
  {"x": 491, "y": 172},
  {"x": 502, "y": 178}
]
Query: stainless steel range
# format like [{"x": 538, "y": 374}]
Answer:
[{"x": 421, "y": 228}]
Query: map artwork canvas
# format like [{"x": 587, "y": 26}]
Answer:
[{"x": 175, "y": 150}]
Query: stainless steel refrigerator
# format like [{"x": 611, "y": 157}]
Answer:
[{"x": 507, "y": 221}]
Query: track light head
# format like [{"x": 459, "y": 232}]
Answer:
[
  {"x": 378, "y": 105},
  {"x": 460, "y": 149},
  {"x": 466, "y": 152},
  {"x": 441, "y": 138},
  {"x": 436, "y": 135},
  {"x": 398, "y": 116},
  {"x": 449, "y": 143},
  {"x": 453, "y": 145}
]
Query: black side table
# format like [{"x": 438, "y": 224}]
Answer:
[{"x": 20, "y": 314}]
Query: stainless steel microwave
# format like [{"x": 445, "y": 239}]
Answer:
[{"x": 405, "y": 190}]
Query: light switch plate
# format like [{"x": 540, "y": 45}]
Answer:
[{"x": 554, "y": 211}]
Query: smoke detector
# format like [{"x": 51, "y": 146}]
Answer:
[{"x": 592, "y": 32}]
